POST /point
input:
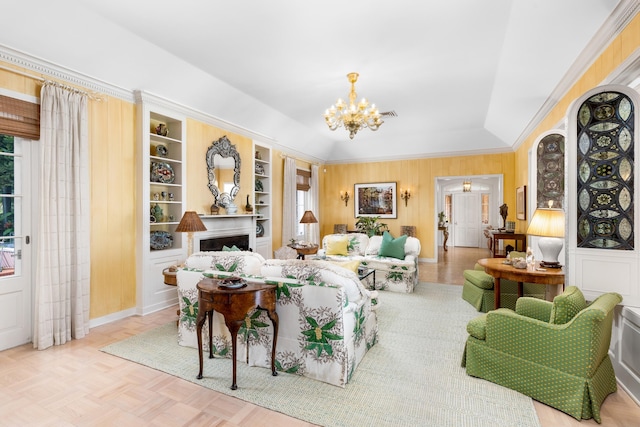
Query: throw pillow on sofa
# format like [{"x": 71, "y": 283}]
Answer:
[
  {"x": 349, "y": 265},
  {"x": 393, "y": 248},
  {"x": 337, "y": 246}
]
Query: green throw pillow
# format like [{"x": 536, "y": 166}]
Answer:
[
  {"x": 567, "y": 305},
  {"x": 393, "y": 248},
  {"x": 226, "y": 248}
]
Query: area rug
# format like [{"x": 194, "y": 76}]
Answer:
[{"x": 411, "y": 377}]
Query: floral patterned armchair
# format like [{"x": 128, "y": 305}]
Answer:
[{"x": 556, "y": 353}]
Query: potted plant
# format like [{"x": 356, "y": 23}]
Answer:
[
  {"x": 441, "y": 219},
  {"x": 370, "y": 225}
]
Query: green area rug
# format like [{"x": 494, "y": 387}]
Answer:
[{"x": 411, "y": 377}]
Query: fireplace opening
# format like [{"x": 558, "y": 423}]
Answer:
[{"x": 217, "y": 243}]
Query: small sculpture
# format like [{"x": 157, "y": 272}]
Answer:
[
  {"x": 504, "y": 211},
  {"x": 162, "y": 130},
  {"x": 156, "y": 211}
]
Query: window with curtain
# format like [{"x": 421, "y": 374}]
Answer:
[{"x": 303, "y": 184}]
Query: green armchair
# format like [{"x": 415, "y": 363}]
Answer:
[{"x": 556, "y": 353}]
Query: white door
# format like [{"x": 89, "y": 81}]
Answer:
[
  {"x": 466, "y": 219},
  {"x": 15, "y": 241}
]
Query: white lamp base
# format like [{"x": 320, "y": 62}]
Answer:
[{"x": 550, "y": 248}]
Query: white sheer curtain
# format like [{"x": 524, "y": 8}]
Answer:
[
  {"x": 63, "y": 263},
  {"x": 313, "y": 204},
  {"x": 289, "y": 219}
]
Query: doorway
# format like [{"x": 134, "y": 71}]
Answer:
[
  {"x": 16, "y": 193},
  {"x": 483, "y": 202}
]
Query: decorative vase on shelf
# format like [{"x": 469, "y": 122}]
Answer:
[
  {"x": 232, "y": 208},
  {"x": 248, "y": 208}
]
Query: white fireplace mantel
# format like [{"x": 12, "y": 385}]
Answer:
[{"x": 227, "y": 225}]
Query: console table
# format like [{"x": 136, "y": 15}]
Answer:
[
  {"x": 234, "y": 304},
  {"x": 497, "y": 236}
]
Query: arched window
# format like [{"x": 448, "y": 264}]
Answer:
[
  {"x": 550, "y": 171},
  {"x": 605, "y": 171}
]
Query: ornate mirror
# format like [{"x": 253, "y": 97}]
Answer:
[{"x": 223, "y": 167}]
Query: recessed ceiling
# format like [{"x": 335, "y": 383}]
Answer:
[{"x": 464, "y": 76}]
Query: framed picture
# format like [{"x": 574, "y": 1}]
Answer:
[
  {"x": 521, "y": 203},
  {"x": 376, "y": 199}
]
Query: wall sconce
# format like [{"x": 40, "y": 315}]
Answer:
[
  {"x": 344, "y": 196},
  {"x": 405, "y": 195}
]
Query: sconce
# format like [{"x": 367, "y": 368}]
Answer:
[
  {"x": 344, "y": 196},
  {"x": 405, "y": 195}
]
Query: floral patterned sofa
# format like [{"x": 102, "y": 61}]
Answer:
[
  {"x": 327, "y": 319},
  {"x": 395, "y": 270}
]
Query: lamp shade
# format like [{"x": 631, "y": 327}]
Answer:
[
  {"x": 308, "y": 218},
  {"x": 190, "y": 222},
  {"x": 547, "y": 223}
]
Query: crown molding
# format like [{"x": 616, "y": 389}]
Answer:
[
  {"x": 56, "y": 72},
  {"x": 422, "y": 156},
  {"x": 46, "y": 69},
  {"x": 621, "y": 16}
]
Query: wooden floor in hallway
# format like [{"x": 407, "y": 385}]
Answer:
[{"x": 78, "y": 385}]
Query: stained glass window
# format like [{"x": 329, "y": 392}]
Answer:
[
  {"x": 550, "y": 179},
  {"x": 605, "y": 167}
]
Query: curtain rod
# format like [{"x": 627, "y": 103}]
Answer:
[
  {"x": 285, "y": 156},
  {"x": 93, "y": 96}
]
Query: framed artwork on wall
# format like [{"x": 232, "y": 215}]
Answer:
[
  {"x": 376, "y": 199},
  {"x": 521, "y": 203}
]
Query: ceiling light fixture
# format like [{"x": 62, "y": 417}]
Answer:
[
  {"x": 466, "y": 186},
  {"x": 353, "y": 117}
]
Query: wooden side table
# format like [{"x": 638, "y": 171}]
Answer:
[
  {"x": 234, "y": 304},
  {"x": 445, "y": 234},
  {"x": 304, "y": 250},
  {"x": 497, "y": 236},
  {"x": 499, "y": 270}
]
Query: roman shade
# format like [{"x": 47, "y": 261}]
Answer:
[{"x": 19, "y": 118}]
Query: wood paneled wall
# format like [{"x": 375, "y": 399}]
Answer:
[{"x": 419, "y": 176}]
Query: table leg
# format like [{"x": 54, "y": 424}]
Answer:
[
  {"x": 202, "y": 315},
  {"x": 273, "y": 316},
  {"x": 445, "y": 233},
  {"x": 233, "y": 328},
  {"x": 520, "y": 289},
  {"x": 496, "y": 293},
  {"x": 211, "y": 335}
]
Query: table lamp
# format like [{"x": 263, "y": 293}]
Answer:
[
  {"x": 190, "y": 223},
  {"x": 308, "y": 218},
  {"x": 548, "y": 223}
]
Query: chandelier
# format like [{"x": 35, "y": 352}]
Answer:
[
  {"x": 353, "y": 116},
  {"x": 466, "y": 186}
]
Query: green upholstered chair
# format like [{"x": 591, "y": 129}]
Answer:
[
  {"x": 477, "y": 289},
  {"x": 556, "y": 353}
]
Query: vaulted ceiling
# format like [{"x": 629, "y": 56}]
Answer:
[{"x": 464, "y": 76}]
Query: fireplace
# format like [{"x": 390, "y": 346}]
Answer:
[
  {"x": 217, "y": 243},
  {"x": 226, "y": 230}
]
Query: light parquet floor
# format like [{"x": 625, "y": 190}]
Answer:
[{"x": 77, "y": 385}]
